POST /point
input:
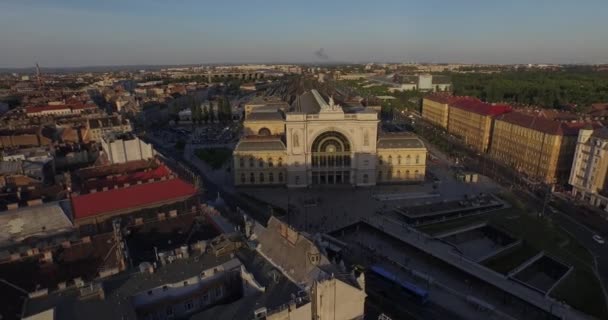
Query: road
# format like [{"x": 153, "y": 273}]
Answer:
[{"x": 211, "y": 189}]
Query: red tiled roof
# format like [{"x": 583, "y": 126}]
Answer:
[
  {"x": 130, "y": 178},
  {"x": 542, "y": 124},
  {"x": 140, "y": 195},
  {"x": 35, "y": 109},
  {"x": 477, "y": 106},
  {"x": 471, "y": 104},
  {"x": 442, "y": 98}
]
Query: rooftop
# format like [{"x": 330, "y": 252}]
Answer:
[
  {"x": 43, "y": 220},
  {"x": 267, "y": 100},
  {"x": 183, "y": 229},
  {"x": 265, "y": 116},
  {"x": 293, "y": 251},
  {"x": 542, "y": 124},
  {"x": 36, "y": 109},
  {"x": 398, "y": 141},
  {"x": 120, "y": 289},
  {"x": 305, "y": 103},
  {"x": 477, "y": 106},
  {"x": 80, "y": 260},
  {"x": 118, "y": 168},
  {"x": 131, "y": 178},
  {"x": 256, "y": 144},
  {"x": 136, "y": 196}
]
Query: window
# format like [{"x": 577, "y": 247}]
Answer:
[
  {"x": 260, "y": 163},
  {"x": 407, "y": 159},
  {"x": 280, "y": 176},
  {"x": 252, "y": 178},
  {"x": 390, "y": 159},
  {"x": 417, "y": 159},
  {"x": 218, "y": 292},
  {"x": 205, "y": 298},
  {"x": 407, "y": 174},
  {"x": 297, "y": 179},
  {"x": 270, "y": 164},
  {"x": 243, "y": 179},
  {"x": 169, "y": 310},
  {"x": 416, "y": 174},
  {"x": 241, "y": 162},
  {"x": 365, "y": 178},
  {"x": 185, "y": 283},
  {"x": 251, "y": 161},
  {"x": 280, "y": 164},
  {"x": 188, "y": 305},
  {"x": 271, "y": 177},
  {"x": 366, "y": 163},
  {"x": 380, "y": 160},
  {"x": 379, "y": 175},
  {"x": 398, "y": 174},
  {"x": 261, "y": 177},
  {"x": 399, "y": 159},
  {"x": 389, "y": 175}
]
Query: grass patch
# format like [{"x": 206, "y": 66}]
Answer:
[
  {"x": 581, "y": 290},
  {"x": 544, "y": 235},
  {"x": 510, "y": 259},
  {"x": 214, "y": 157}
]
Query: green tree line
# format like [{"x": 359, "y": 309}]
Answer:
[{"x": 551, "y": 89}]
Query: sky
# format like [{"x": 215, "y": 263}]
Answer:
[{"x": 66, "y": 33}]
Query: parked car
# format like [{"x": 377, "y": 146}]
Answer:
[{"x": 598, "y": 239}]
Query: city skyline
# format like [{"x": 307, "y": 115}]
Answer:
[{"x": 65, "y": 33}]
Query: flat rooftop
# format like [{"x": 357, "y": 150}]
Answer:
[{"x": 37, "y": 221}]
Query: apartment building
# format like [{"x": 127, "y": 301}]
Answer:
[
  {"x": 540, "y": 148},
  {"x": 435, "y": 109},
  {"x": 590, "y": 167},
  {"x": 471, "y": 120}
]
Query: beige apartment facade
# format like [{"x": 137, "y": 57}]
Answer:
[
  {"x": 435, "y": 111},
  {"x": 471, "y": 127},
  {"x": 590, "y": 167},
  {"x": 540, "y": 148}
]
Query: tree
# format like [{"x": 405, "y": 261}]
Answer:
[
  {"x": 211, "y": 113},
  {"x": 225, "y": 110},
  {"x": 205, "y": 115}
]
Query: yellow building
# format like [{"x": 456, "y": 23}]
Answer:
[
  {"x": 260, "y": 161},
  {"x": 400, "y": 159},
  {"x": 317, "y": 142},
  {"x": 471, "y": 120},
  {"x": 540, "y": 148},
  {"x": 435, "y": 110},
  {"x": 264, "y": 124}
]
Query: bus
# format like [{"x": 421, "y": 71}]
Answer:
[{"x": 411, "y": 290}]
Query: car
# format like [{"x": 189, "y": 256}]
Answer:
[{"x": 598, "y": 239}]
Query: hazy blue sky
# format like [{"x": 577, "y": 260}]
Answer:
[{"x": 120, "y": 32}]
